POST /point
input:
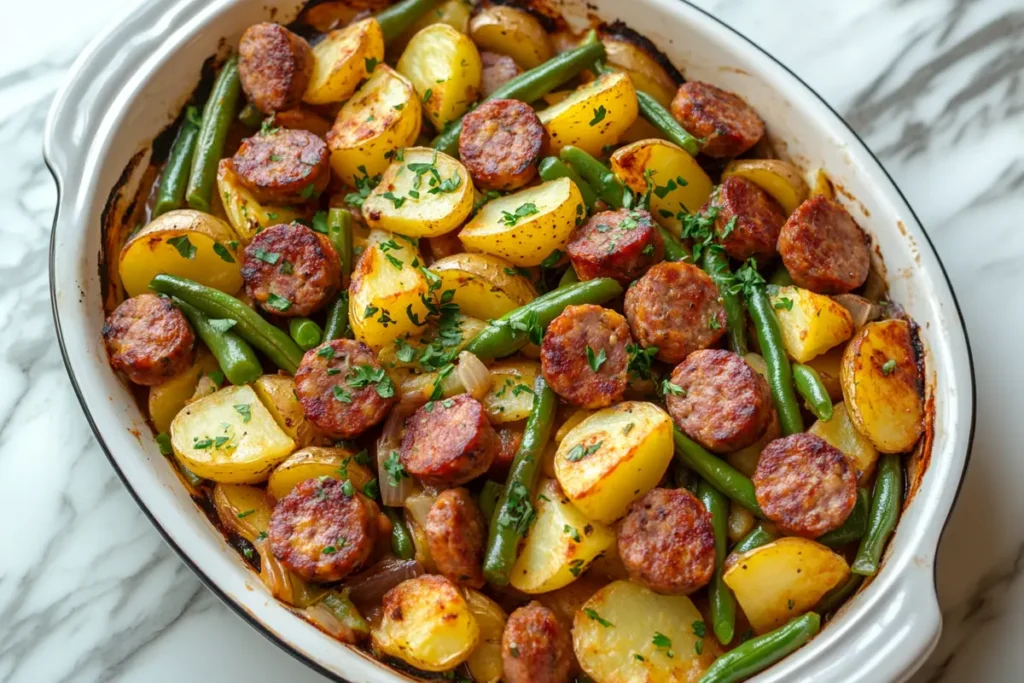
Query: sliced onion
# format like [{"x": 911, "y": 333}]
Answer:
[
  {"x": 327, "y": 622},
  {"x": 369, "y": 587},
  {"x": 874, "y": 288},
  {"x": 390, "y": 441},
  {"x": 861, "y": 309},
  {"x": 473, "y": 375},
  {"x": 274, "y": 575}
]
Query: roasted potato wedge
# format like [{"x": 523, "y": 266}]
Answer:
[
  {"x": 230, "y": 437},
  {"x": 246, "y": 215},
  {"x": 423, "y": 193},
  {"x": 668, "y": 163},
  {"x": 427, "y": 624},
  {"x": 382, "y": 117},
  {"x": 444, "y": 66},
  {"x": 485, "y": 661},
  {"x": 278, "y": 394},
  {"x": 841, "y": 432},
  {"x": 386, "y": 293},
  {"x": 596, "y": 114},
  {"x": 168, "y": 398},
  {"x": 243, "y": 509},
  {"x": 525, "y": 227},
  {"x": 614, "y": 636},
  {"x": 454, "y": 13},
  {"x": 560, "y": 545},
  {"x": 811, "y": 323},
  {"x": 781, "y": 179},
  {"x": 613, "y": 457},
  {"x": 745, "y": 459},
  {"x": 186, "y": 243},
  {"x": 513, "y": 32},
  {"x": 342, "y": 60},
  {"x": 782, "y": 580},
  {"x": 882, "y": 385},
  {"x": 647, "y": 74},
  {"x": 511, "y": 395},
  {"x": 314, "y": 463},
  {"x": 486, "y": 287}
]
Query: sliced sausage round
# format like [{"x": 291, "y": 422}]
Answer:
[
  {"x": 456, "y": 532},
  {"x": 677, "y": 308},
  {"x": 500, "y": 144},
  {"x": 284, "y": 166},
  {"x": 805, "y": 485},
  {"x": 719, "y": 401},
  {"x": 748, "y": 219},
  {"x": 148, "y": 339},
  {"x": 584, "y": 358},
  {"x": 728, "y": 125},
  {"x": 536, "y": 647},
  {"x": 823, "y": 249},
  {"x": 667, "y": 543},
  {"x": 290, "y": 270},
  {"x": 448, "y": 442},
  {"x": 275, "y": 66},
  {"x": 619, "y": 244},
  {"x": 498, "y": 70},
  {"x": 342, "y": 388},
  {"x": 323, "y": 532}
]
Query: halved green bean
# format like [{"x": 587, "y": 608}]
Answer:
[
  {"x": 510, "y": 332},
  {"x": 838, "y": 595},
  {"x": 723, "y": 602},
  {"x": 855, "y": 526},
  {"x": 401, "y": 538},
  {"x": 674, "y": 251},
  {"x": 759, "y": 653},
  {"x": 533, "y": 84},
  {"x": 607, "y": 185},
  {"x": 397, "y": 19},
  {"x": 218, "y": 115},
  {"x": 716, "y": 265},
  {"x": 514, "y": 509},
  {"x": 339, "y": 231},
  {"x": 488, "y": 498},
  {"x": 780, "y": 374},
  {"x": 552, "y": 168},
  {"x": 250, "y": 116},
  {"x": 337, "y": 325},
  {"x": 344, "y": 611},
  {"x": 250, "y": 326},
  {"x": 886, "y": 500},
  {"x": 170, "y": 195},
  {"x": 717, "y": 472},
  {"x": 305, "y": 332},
  {"x": 757, "y": 537},
  {"x": 236, "y": 358},
  {"x": 809, "y": 385}
]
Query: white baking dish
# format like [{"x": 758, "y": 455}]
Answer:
[{"x": 130, "y": 83}]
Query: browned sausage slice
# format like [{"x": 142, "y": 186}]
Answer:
[
  {"x": 498, "y": 70},
  {"x": 667, "y": 543},
  {"x": 324, "y": 530},
  {"x": 342, "y": 388},
  {"x": 449, "y": 442},
  {"x": 617, "y": 244},
  {"x": 500, "y": 144},
  {"x": 290, "y": 270},
  {"x": 283, "y": 166},
  {"x": 823, "y": 249},
  {"x": 274, "y": 65},
  {"x": 747, "y": 221},
  {"x": 579, "y": 340},
  {"x": 719, "y": 401},
  {"x": 536, "y": 647},
  {"x": 148, "y": 339},
  {"x": 805, "y": 485},
  {"x": 456, "y": 533},
  {"x": 728, "y": 125},
  {"x": 677, "y": 308}
]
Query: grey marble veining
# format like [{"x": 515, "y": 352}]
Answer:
[{"x": 89, "y": 592}]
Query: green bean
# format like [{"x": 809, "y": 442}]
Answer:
[
  {"x": 716, "y": 265},
  {"x": 190, "y": 477},
  {"x": 305, "y": 332},
  {"x": 488, "y": 498},
  {"x": 236, "y": 358},
  {"x": 514, "y": 510},
  {"x": 218, "y": 115},
  {"x": 780, "y": 375},
  {"x": 605, "y": 183},
  {"x": 838, "y": 595},
  {"x": 757, "y": 537},
  {"x": 552, "y": 168},
  {"x": 250, "y": 116},
  {"x": 759, "y": 653},
  {"x": 337, "y": 326},
  {"x": 401, "y": 538},
  {"x": 723, "y": 602},
  {"x": 533, "y": 84},
  {"x": 886, "y": 500},
  {"x": 510, "y": 332},
  {"x": 780, "y": 277},
  {"x": 717, "y": 472},
  {"x": 855, "y": 526},
  {"x": 397, "y": 19},
  {"x": 339, "y": 230},
  {"x": 250, "y": 326},
  {"x": 342, "y": 608},
  {"x": 809, "y": 385},
  {"x": 569, "y": 277},
  {"x": 674, "y": 251},
  {"x": 174, "y": 179}
]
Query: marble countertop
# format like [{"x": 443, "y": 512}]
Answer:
[{"x": 89, "y": 591}]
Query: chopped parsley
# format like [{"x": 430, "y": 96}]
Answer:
[
  {"x": 599, "y": 115},
  {"x": 578, "y": 452},
  {"x": 784, "y": 303},
  {"x": 341, "y": 395},
  {"x": 364, "y": 375},
  {"x": 364, "y": 185},
  {"x": 518, "y": 511},
  {"x": 663, "y": 642},
  {"x": 521, "y": 212},
  {"x": 596, "y": 360},
  {"x": 394, "y": 469},
  {"x": 325, "y": 352},
  {"x": 245, "y": 410},
  {"x": 640, "y": 360},
  {"x": 371, "y": 64},
  {"x": 278, "y": 303},
  {"x": 243, "y": 515},
  {"x": 222, "y": 324},
  {"x": 371, "y": 489},
  {"x": 222, "y": 251},
  {"x": 574, "y": 533},
  {"x": 185, "y": 248},
  {"x": 667, "y": 387},
  {"x": 271, "y": 257},
  {"x": 309, "y": 192},
  {"x": 597, "y": 617},
  {"x": 699, "y": 629}
]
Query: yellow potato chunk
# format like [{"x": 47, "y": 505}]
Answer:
[
  {"x": 595, "y": 115},
  {"x": 842, "y": 433},
  {"x": 445, "y": 68},
  {"x": 511, "y": 396},
  {"x": 244, "y": 509},
  {"x": 169, "y": 397},
  {"x": 342, "y": 60},
  {"x": 386, "y": 293},
  {"x": 485, "y": 661},
  {"x": 314, "y": 463},
  {"x": 781, "y": 179},
  {"x": 614, "y": 457},
  {"x": 246, "y": 215},
  {"x": 513, "y": 32},
  {"x": 278, "y": 394},
  {"x": 454, "y": 13},
  {"x": 486, "y": 287},
  {"x": 647, "y": 74},
  {"x": 811, "y": 323}
]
